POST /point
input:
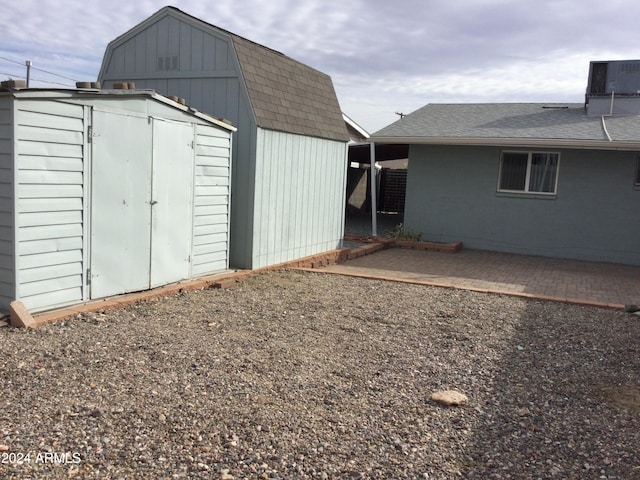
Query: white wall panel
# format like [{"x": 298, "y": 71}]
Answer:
[{"x": 299, "y": 197}]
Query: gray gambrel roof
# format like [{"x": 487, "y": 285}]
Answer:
[
  {"x": 513, "y": 124},
  {"x": 285, "y": 95}
]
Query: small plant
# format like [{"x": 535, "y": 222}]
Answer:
[{"x": 400, "y": 232}]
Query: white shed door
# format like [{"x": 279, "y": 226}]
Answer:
[
  {"x": 120, "y": 204},
  {"x": 141, "y": 203},
  {"x": 172, "y": 202}
]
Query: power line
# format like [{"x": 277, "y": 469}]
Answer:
[
  {"x": 12, "y": 61},
  {"x": 54, "y": 74},
  {"x": 20, "y": 77},
  {"x": 52, "y": 83},
  {"x": 39, "y": 69},
  {"x": 12, "y": 75}
]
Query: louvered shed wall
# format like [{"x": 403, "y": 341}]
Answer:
[
  {"x": 49, "y": 191},
  {"x": 211, "y": 201},
  {"x": 7, "y": 258}
]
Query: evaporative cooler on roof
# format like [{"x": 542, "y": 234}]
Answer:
[{"x": 617, "y": 77}]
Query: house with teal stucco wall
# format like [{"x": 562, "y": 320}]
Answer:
[{"x": 552, "y": 179}]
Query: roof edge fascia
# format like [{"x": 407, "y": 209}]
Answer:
[
  {"x": 355, "y": 126},
  {"x": 192, "y": 111},
  {"x": 511, "y": 142}
]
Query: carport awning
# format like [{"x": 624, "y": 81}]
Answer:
[{"x": 361, "y": 153}]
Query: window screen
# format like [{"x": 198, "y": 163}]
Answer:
[{"x": 528, "y": 172}]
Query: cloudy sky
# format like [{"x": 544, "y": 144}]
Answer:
[{"x": 383, "y": 56}]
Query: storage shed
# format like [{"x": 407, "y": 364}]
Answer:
[
  {"x": 104, "y": 192},
  {"x": 289, "y": 155}
]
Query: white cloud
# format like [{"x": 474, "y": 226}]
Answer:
[{"x": 383, "y": 56}]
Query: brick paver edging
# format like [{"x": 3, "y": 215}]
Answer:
[
  {"x": 19, "y": 316},
  {"x": 496, "y": 291}
]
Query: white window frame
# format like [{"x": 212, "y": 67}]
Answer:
[{"x": 527, "y": 181}]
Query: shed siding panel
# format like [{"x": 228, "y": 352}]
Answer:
[
  {"x": 26, "y": 234},
  {"x": 61, "y": 164},
  {"x": 51, "y": 272},
  {"x": 31, "y": 205},
  {"x": 299, "y": 205},
  {"x": 50, "y": 245},
  {"x": 44, "y": 119},
  {"x": 7, "y": 246},
  {"x": 56, "y": 110},
  {"x": 211, "y": 202},
  {"x": 44, "y": 301},
  {"x": 44, "y": 149},
  {"x": 451, "y": 196},
  {"x": 50, "y": 138}
]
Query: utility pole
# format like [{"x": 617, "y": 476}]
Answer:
[{"x": 28, "y": 71}]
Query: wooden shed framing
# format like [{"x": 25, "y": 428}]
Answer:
[
  {"x": 289, "y": 155},
  {"x": 103, "y": 193}
]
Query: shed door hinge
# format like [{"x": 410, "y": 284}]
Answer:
[
  {"x": 88, "y": 276},
  {"x": 89, "y": 134}
]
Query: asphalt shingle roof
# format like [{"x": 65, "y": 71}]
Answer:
[
  {"x": 287, "y": 95},
  {"x": 526, "y": 121}
]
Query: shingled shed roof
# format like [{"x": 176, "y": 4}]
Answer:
[{"x": 285, "y": 94}]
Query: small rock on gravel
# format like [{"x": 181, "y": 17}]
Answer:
[{"x": 449, "y": 398}]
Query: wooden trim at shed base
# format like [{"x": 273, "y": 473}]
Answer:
[{"x": 20, "y": 316}]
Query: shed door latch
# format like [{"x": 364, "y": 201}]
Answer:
[{"x": 90, "y": 134}]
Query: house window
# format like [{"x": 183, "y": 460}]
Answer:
[{"x": 528, "y": 172}]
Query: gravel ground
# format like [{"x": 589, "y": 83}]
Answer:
[{"x": 307, "y": 375}]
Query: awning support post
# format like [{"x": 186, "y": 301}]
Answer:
[{"x": 374, "y": 203}]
